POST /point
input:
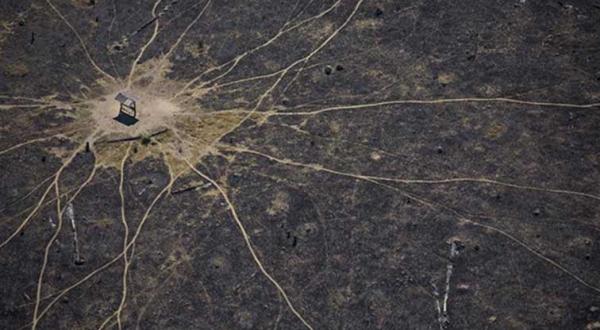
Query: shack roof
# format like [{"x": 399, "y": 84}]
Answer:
[{"x": 123, "y": 98}]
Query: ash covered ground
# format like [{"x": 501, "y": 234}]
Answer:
[{"x": 337, "y": 164}]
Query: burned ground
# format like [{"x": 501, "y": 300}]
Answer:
[{"x": 300, "y": 164}]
